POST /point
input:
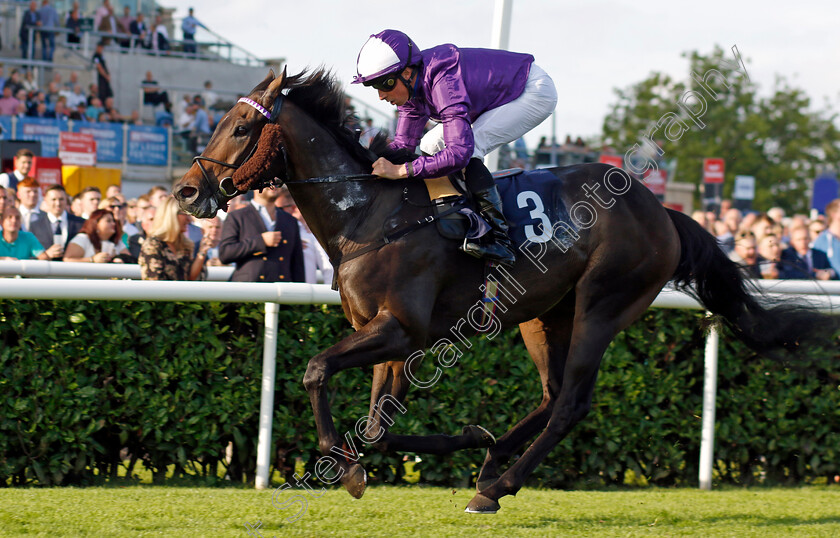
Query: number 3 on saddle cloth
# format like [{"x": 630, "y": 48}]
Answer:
[{"x": 531, "y": 201}]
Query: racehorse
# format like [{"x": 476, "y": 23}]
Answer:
[{"x": 589, "y": 280}]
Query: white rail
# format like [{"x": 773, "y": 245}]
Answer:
[
  {"x": 41, "y": 268},
  {"x": 296, "y": 293}
]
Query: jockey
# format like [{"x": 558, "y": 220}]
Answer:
[{"x": 482, "y": 99}]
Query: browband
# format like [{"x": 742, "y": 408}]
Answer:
[{"x": 256, "y": 105}]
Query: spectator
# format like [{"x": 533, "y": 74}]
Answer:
[
  {"x": 90, "y": 198},
  {"x": 829, "y": 240},
  {"x": 167, "y": 254},
  {"x": 74, "y": 24},
  {"x": 3, "y": 81},
  {"x": 189, "y": 26},
  {"x": 61, "y": 111},
  {"x": 209, "y": 97},
  {"x": 113, "y": 190},
  {"x": 48, "y": 22},
  {"x": 731, "y": 220},
  {"x": 135, "y": 118},
  {"x": 315, "y": 258},
  {"x": 368, "y": 133},
  {"x": 157, "y": 195},
  {"x": 101, "y": 13},
  {"x": 144, "y": 226},
  {"x": 745, "y": 254},
  {"x": 263, "y": 242},
  {"x": 815, "y": 229},
  {"x": 14, "y": 82},
  {"x": 98, "y": 241},
  {"x": 212, "y": 234},
  {"x": 17, "y": 244},
  {"x": 117, "y": 206},
  {"x": 3, "y": 204},
  {"x": 55, "y": 231},
  {"x": 103, "y": 76},
  {"x": 201, "y": 128},
  {"x": 140, "y": 30},
  {"x": 22, "y": 166},
  {"x": 160, "y": 35},
  {"x": 801, "y": 261},
  {"x": 40, "y": 111},
  {"x": 8, "y": 103},
  {"x": 28, "y": 192},
  {"x": 94, "y": 110},
  {"x": 762, "y": 226},
  {"x": 770, "y": 250},
  {"x": 111, "y": 111},
  {"x": 152, "y": 95},
  {"x": 28, "y": 83},
  {"x": 126, "y": 19},
  {"x": 53, "y": 94},
  {"x": 28, "y": 22},
  {"x": 110, "y": 25}
]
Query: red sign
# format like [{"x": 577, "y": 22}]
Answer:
[
  {"x": 615, "y": 160},
  {"x": 712, "y": 170},
  {"x": 656, "y": 180},
  {"x": 47, "y": 171},
  {"x": 77, "y": 149}
]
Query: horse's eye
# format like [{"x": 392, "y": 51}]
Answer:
[{"x": 240, "y": 131}]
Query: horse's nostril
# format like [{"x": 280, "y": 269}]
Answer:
[{"x": 187, "y": 192}]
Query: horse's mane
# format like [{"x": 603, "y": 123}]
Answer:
[{"x": 320, "y": 95}]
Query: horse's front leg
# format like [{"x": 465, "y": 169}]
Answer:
[
  {"x": 388, "y": 391},
  {"x": 380, "y": 339}
]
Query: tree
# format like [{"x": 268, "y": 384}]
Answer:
[{"x": 718, "y": 113}]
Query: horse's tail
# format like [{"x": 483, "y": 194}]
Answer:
[{"x": 707, "y": 274}]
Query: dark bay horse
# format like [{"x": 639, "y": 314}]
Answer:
[{"x": 570, "y": 295}]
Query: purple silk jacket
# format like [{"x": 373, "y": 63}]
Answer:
[{"x": 457, "y": 86}]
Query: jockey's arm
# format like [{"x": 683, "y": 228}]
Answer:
[{"x": 460, "y": 144}]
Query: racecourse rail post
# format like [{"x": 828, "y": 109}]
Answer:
[
  {"x": 707, "y": 437},
  {"x": 267, "y": 396}
]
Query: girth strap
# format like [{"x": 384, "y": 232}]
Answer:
[{"x": 389, "y": 238}]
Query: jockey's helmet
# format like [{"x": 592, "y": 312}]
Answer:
[{"x": 383, "y": 54}]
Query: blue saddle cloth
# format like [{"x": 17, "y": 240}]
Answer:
[{"x": 532, "y": 204}]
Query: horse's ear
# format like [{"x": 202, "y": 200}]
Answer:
[
  {"x": 274, "y": 89},
  {"x": 265, "y": 83}
]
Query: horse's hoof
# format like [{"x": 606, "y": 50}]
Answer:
[
  {"x": 481, "y": 485},
  {"x": 355, "y": 481},
  {"x": 484, "y": 438},
  {"x": 482, "y": 505}
]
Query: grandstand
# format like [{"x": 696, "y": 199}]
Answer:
[{"x": 148, "y": 154}]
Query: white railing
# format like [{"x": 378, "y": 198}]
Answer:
[
  {"x": 45, "y": 269},
  {"x": 296, "y": 293}
]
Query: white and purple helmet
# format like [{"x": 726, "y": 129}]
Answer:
[{"x": 385, "y": 53}]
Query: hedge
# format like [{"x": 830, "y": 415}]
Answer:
[{"x": 88, "y": 386}]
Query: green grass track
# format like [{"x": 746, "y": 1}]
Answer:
[{"x": 417, "y": 511}]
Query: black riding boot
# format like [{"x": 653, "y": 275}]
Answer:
[{"x": 496, "y": 246}]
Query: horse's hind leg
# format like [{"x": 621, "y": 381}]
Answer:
[
  {"x": 601, "y": 312},
  {"x": 547, "y": 340},
  {"x": 388, "y": 391}
]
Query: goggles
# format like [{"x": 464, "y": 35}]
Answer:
[{"x": 385, "y": 84}]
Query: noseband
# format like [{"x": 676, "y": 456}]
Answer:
[{"x": 226, "y": 186}]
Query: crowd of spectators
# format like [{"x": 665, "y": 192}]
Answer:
[
  {"x": 126, "y": 30},
  {"x": 266, "y": 238},
  {"x": 772, "y": 245},
  {"x": 61, "y": 99}
]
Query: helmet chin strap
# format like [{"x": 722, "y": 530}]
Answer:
[{"x": 412, "y": 88}]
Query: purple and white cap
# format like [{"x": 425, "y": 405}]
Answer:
[{"x": 385, "y": 53}]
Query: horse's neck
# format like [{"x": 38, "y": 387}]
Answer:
[{"x": 341, "y": 215}]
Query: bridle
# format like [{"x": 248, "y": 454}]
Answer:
[{"x": 226, "y": 186}]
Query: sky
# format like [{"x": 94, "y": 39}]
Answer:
[{"x": 589, "y": 48}]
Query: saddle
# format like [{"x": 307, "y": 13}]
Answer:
[{"x": 449, "y": 201}]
